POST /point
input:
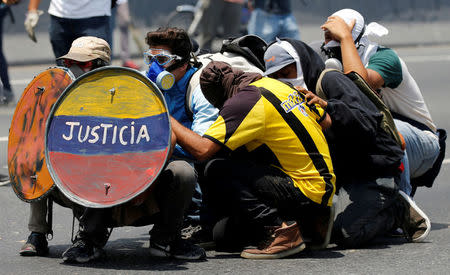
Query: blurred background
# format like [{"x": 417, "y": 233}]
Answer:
[{"x": 410, "y": 22}]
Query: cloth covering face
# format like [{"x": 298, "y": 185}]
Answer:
[
  {"x": 358, "y": 145},
  {"x": 365, "y": 47}
]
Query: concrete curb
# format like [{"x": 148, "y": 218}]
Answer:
[{"x": 20, "y": 50}]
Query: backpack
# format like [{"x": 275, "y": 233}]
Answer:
[
  {"x": 245, "y": 53},
  {"x": 387, "y": 122}
]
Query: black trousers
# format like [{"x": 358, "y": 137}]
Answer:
[
  {"x": 365, "y": 209},
  {"x": 252, "y": 196},
  {"x": 173, "y": 192}
]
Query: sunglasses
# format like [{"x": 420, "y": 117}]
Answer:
[
  {"x": 83, "y": 65},
  {"x": 162, "y": 57}
]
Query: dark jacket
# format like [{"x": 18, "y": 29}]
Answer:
[{"x": 358, "y": 145}]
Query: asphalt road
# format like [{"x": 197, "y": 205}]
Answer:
[{"x": 127, "y": 248}]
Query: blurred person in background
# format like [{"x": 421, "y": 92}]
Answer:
[
  {"x": 272, "y": 18},
  {"x": 70, "y": 20},
  {"x": 6, "y": 94},
  {"x": 216, "y": 13},
  {"x": 122, "y": 12}
]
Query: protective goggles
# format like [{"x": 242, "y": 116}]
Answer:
[{"x": 162, "y": 57}]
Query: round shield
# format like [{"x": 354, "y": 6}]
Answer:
[
  {"x": 30, "y": 178},
  {"x": 108, "y": 137}
]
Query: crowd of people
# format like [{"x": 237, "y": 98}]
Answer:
[{"x": 275, "y": 147}]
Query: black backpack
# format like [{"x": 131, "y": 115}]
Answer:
[
  {"x": 387, "y": 122},
  {"x": 245, "y": 52}
]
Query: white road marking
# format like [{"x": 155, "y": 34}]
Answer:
[
  {"x": 426, "y": 58},
  {"x": 21, "y": 81}
]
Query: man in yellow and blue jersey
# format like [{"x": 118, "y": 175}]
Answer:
[{"x": 285, "y": 171}]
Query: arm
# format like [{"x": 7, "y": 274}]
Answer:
[
  {"x": 314, "y": 99},
  {"x": 33, "y": 5},
  {"x": 351, "y": 61},
  {"x": 10, "y": 2},
  {"x": 199, "y": 147},
  {"x": 338, "y": 30}
]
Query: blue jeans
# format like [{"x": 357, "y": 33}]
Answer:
[
  {"x": 422, "y": 147},
  {"x": 63, "y": 31},
  {"x": 269, "y": 26}
]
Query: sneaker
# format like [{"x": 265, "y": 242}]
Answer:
[
  {"x": 415, "y": 223},
  {"x": 200, "y": 236},
  {"x": 82, "y": 252},
  {"x": 36, "y": 245},
  {"x": 130, "y": 64},
  {"x": 281, "y": 242},
  {"x": 178, "y": 249}
]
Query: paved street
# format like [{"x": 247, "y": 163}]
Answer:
[{"x": 127, "y": 248}]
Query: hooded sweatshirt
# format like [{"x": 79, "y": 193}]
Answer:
[{"x": 358, "y": 146}]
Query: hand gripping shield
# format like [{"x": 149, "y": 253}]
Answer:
[{"x": 108, "y": 137}]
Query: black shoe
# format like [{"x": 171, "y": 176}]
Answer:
[
  {"x": 82, "y": 252},
  {"x": 36, "y": 245},
  {"x": 6, "y": 97},
  {"x": 415, "y": 223},
  {"x": 178, "y": 249}
]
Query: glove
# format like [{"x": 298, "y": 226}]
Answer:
[{"x": 31, "y": 21}]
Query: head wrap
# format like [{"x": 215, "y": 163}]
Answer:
[
  {"x": 219, "y": 82},
  {"x": 365, "y": 47}
]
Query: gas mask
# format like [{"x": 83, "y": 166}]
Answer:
[
  {"x": 332, "y": 52},
  {"x": 162, "y": 78}
]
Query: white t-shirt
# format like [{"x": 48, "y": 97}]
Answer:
[
  {"x": 77, "y": 9},
  {"x": 401, "y": 94}
]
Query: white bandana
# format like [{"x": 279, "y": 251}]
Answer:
[{"x": 365, "y": 47}]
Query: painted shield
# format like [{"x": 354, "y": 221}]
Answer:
[
  {"x": 30, "y": 178},
  {"x": 108, "y": 137}
]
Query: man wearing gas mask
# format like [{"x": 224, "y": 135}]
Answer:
[
  {"x": 168, "y": 58},
  {"x": 348, "y": 48}
]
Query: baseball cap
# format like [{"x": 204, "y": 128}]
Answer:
[
  {"x": 276, "y": 58},
  {"x": 88, "y": 48}
]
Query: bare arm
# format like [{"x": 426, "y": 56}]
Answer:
[
  {"x": 33, "y": 5},
  {"x": 338, "y": 30},
  {"x": 351, "y": 61},
  {"x": 199, "y": 147},
  {"x": 10, "y": 2}
]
